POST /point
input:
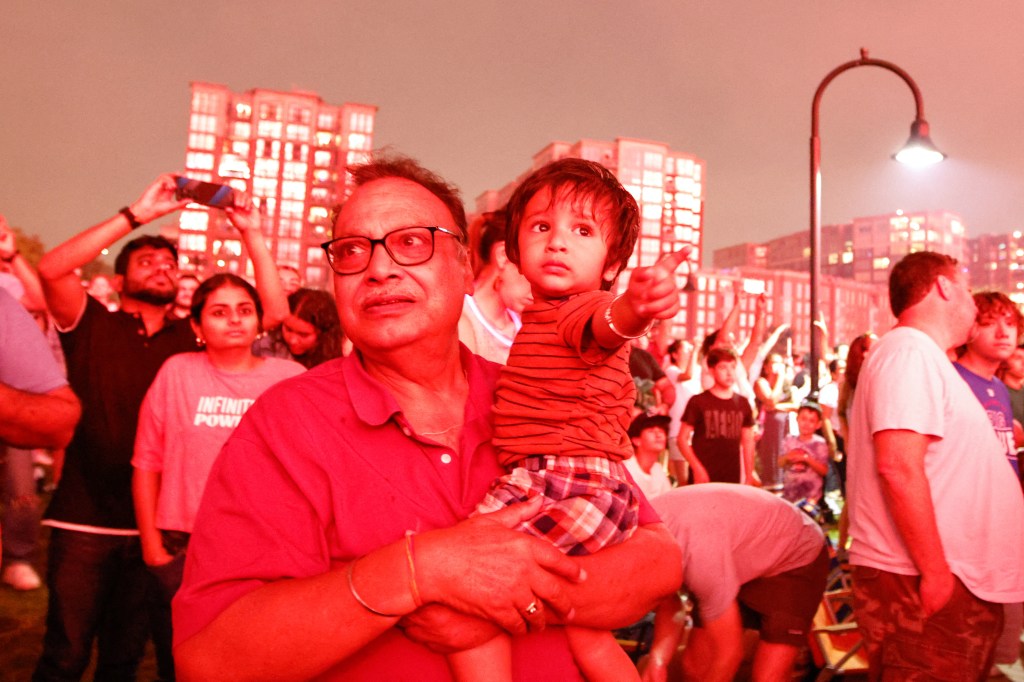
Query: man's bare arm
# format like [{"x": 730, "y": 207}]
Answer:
[
  {"x": 65, "y": 296},
  {"x": 899, "y": 456},
  {"x": 299, "y": 628},
  {"x": 37, "y": 420}
]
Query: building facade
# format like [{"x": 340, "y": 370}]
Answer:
[{"x": 289, "y": 150}]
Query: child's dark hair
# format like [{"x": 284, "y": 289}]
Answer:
[
  {"x": 810, "y": 406},
  {"x": 579, "y": 181},
  {"x": 218, "y": 281},
  {"x": 720, "y": 354}
]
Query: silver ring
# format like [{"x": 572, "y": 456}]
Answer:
[{"x": 531, "y": 608}]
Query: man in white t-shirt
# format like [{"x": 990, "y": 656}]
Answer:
[{"x": 937, "y": 522}]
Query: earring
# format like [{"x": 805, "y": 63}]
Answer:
[{"x": 201, "y": 341}]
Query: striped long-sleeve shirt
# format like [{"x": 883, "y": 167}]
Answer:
[{"x": 560, "y": 393}]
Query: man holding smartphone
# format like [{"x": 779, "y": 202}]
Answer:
[{"x": 98, "y": 583}]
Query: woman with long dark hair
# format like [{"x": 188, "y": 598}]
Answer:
[
  {"x": 311, "y": 334},
  {"x": 191, "y": 408}
]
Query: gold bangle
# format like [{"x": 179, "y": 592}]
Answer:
[
  {"x": 352, "y": 589},
  {"x": 615, "y": 330},
  {"x": 416, "y": 599}
]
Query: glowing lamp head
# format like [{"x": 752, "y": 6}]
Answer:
[{"x": 919, "y": 151}]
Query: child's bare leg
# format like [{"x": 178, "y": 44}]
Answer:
[
  {"x": 599, "y": 656},
  {"x": 490, "y": 661}
]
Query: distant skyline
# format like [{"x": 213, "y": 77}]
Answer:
[{"x": 96, "y": 95}]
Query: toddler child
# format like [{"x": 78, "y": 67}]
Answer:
[{"x": 563, "y": 401}]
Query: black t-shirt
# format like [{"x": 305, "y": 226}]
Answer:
[
  {"x": 643, "y": 365},
  {"x": 111, "y": 363},
  {"x": 717, "y": 428}
]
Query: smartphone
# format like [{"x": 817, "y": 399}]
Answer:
[{"x": 206, "y": 193}]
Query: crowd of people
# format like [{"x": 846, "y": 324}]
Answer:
[{"x": 472, "y": 460}]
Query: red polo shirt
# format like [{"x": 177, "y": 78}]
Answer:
[{"x": 323, "y": 469}]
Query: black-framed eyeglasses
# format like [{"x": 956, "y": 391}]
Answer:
[{"x": 406, "y": 246}]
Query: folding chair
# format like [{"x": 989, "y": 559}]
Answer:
[{"x": 835, "y": 641}]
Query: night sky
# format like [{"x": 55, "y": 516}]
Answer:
[{"x": 95, "y": 95}]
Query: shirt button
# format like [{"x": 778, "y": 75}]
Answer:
[{"x": 446, "y": 458}]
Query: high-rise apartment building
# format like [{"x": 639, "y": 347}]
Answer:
[
  {"x": 996, "y": 261},
  {"x": 289, "y": 150},
  {"x": 668, "y": 186}
]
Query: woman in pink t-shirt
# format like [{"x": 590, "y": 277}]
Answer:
[{"x": 190, "y": 410}]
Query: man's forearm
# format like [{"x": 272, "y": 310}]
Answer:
[
  {"x": 900, "y": 459},
  {"x": 296, "y": 629},
  {"x": 627, "y": 580},
  {"x": 268, "y": 281},
  {"x": 37, "y": 420}
]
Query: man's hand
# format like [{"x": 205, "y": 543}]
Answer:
[
  {"x": 700, "y": 474},
  {"x": 482, "y": 568},
  {"x": 652, "y": 292},
  {"x": 156, "y": 556},
  {"x": 157, "y": 200},
  {"x": 936, "y": 591},
  {"x": 244, "y": 215},
  {"x": 445, "y": 631}
]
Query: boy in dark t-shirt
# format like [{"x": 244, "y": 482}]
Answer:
[{"x": 716, "y": 436}]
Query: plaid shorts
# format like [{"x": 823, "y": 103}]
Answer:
[{"x": 589, "y": 501}]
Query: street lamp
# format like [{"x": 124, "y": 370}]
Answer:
[{"x": 918, "y": 151}]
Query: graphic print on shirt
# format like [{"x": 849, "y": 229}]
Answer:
[{"x": 220, "y": 411}]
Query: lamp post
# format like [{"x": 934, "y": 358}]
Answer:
[{"x": 918, "y": 151}]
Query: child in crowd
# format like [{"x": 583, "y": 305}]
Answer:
[
  {"x": 563, "y": 400},
  {"x": 805, "y": 462},
  {"x": 716, "y": 435}
]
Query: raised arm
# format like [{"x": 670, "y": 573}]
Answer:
[
  {"x": 247, "y": 218},
  {"x": 652, "y": 294},
  {"x": 65, "y": 296},
  {"x": 753, "y": 347}
]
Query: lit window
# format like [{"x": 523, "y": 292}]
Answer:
[
  {"x": 269, "y": 129},
  {"x": 322, "y": 158},
  {"x": 291, "y": 189},
  {"x": 191, "y": 241},
  {"x": 298, "y": 132},
  {"x": 357, "y": 141},
  {"x": 243, "y": 110},
  {"x": 325, "y": 120},
  {"x": 651, "y": 211},
  {"x": 194, "y": 220},
  {"x": 200, "y": 160},
  {"x": 270, "y": 111}
]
